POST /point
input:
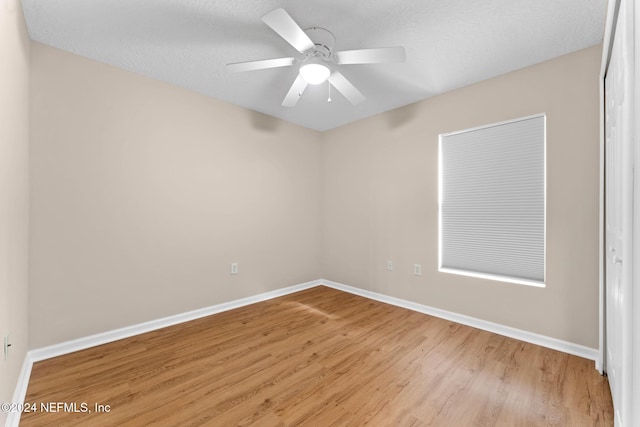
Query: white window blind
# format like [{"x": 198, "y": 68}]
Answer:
[{"x": 492, "y": 201}]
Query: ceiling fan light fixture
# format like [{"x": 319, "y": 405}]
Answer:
[{"x": 314, "y": 73}]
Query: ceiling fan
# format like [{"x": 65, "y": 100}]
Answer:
[{"x": 316, "y": 46}]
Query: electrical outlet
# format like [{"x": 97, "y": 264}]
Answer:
[
  {"x": 417, "y": 270},
  {"x": 390, "y": 265},
  {"x": 234, "y": 268}
]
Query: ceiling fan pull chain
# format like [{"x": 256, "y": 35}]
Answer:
[{"x": 329, "y": 98}]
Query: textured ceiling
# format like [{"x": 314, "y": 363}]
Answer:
[{"x": 449, "y": 44}]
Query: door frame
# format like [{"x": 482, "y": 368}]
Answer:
[
  {"x": 613, "y": 8},
  {"x": 635, "y": 284}
]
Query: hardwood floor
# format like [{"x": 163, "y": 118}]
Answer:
[{"x": 320, "y": 357}]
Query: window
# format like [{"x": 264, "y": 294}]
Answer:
[{"x": 492, "y": 201}]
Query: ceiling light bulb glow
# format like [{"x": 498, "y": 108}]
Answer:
[{"x": 314, "y": 73}]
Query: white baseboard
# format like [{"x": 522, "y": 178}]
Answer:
[
  {"x": 129, "y": 331},
  {"x": 13, "y": 418},
  {"x": 519, "y": 334},
  {"x": 140, "y": 328},
  {"x": 66, "y": 347}
]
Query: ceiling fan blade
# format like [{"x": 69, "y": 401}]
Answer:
[
  {"x": 283, "y": 24},
  {"x": 372, "y": 56},
  {"x": 345, "y": 87},
  {"x": 237, "y": 67},
  {"x": 295, "y": 92}
]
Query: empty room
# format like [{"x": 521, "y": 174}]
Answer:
[{"x": 281, "y": 213}]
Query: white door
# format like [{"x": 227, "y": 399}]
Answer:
[{"x": 619, "y": 127}]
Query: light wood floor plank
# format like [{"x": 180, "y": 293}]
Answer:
[{"x": 321, "y": 357}]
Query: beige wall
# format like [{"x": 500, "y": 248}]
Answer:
[
  {"x": 14, "y": 194},
  {"x": 380, "y": 199},
  {"x": 144, "y": 193}
]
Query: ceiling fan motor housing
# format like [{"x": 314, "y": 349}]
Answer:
[{"x": 324, "y": 42}]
